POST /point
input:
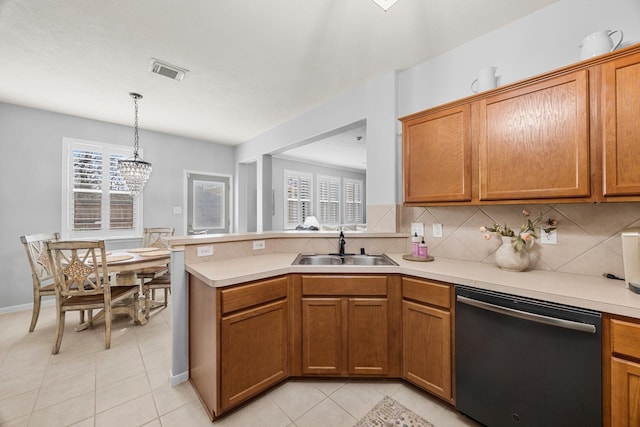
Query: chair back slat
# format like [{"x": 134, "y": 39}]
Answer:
[
  {"x": 37, "y": 255},
  {"x": 155, "y": 237},
  {"x": 80, "y": 267}
]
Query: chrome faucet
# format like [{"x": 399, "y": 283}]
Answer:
[{"x": 341, "y": 242}]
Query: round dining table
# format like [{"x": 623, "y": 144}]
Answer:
[{"x": 123, "y": 263}]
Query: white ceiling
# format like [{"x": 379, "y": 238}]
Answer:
[{"x": 253, "y": 64}]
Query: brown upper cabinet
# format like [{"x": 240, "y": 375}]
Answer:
[
  {"x": 621, "y": 126},
  {"x": 534, "y": 141},
  {"x": 571, "y": 135},
  {"x": 437, "y": 156}
]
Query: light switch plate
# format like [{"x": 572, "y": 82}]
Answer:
[
  {"x": 548, "y": 238},
  {"x": 177, "y": 210},
  {"x": 417, "y": 227},
  {"x": 437, "y": 230},
  {"x": 205, "y": 250},
  {"x": 258, "y": 244}
]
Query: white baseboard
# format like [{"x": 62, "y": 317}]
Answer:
[
  {"x": 23, "y": 307},
  {"x": 174, "y": 380}
]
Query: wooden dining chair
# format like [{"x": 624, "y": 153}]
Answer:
[
  {"x": 154, "y": 237},
  {"x": 41, "y": 274},
  {"x": 161, "y": 282},
  {"x": 81, "y": 282}
]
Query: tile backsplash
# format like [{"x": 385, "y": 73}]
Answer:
[{"x": 588, "y": 234}]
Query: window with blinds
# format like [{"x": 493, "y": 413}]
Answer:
[
  {"x": 328, "y": 200},
  {"x": 353, "y": 211},
  {"x": 298, "y": 198},
  {"x": 98, "y": 204}
]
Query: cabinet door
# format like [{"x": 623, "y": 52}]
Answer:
[
  {"x": 426, "y": 348},
  {"x": 621, "y": 126},
  {"x": 625, "y": 393},
  {"x": 323, "y": 336},
  {"x": 368, "y": 337},
  {"x": 534, "y": 141},
  {"x": 253, "y": 352},
  {"x": 437, "y": 157}
]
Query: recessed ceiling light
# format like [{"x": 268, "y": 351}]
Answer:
[
  {"x": 167, "y": 70},
  {"x": 385, "y": 4}
]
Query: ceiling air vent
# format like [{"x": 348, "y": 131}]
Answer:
[{"x": 167, "y": 70}]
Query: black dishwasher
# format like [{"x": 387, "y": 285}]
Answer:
[{"x": 525, "y": 362}]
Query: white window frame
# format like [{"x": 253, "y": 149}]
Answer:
[
  {"x": 334, "y": 199},
  {"x": 346, "y": 218},
  {"x": 67, "y": 231},
  {"x": 299, "y": 218}
]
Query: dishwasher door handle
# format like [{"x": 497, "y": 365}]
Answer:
[{"x": 553, "y": 321}]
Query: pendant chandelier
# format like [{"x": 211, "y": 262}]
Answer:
[{"x": 136, "y": 171}]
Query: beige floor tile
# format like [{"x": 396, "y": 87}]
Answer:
[
  {"x": 428, "y": 408},
  {"x": 67, "y": 388},
  {"x": 18, "y": 422},
  {"x": 154, "y": 423},
  {"x": 259, "y": 413},
  {"x": 169, "y": 398},
  {"x": 357, "y": 398},
  {"x": 65, "y": 413},
  {"x": 114, "y": 371},
  {"x": 296, "y": 397},
  {"x": 328, "y": 386},
  {"x": 89, "y": 422},
  {"x": 132, "y": 413},
  {"x": 158, "y": 377},
  {"x": 116, "y": 394},
  {"x": 20, "y": 384},
  {"x": 327, "y": 413},
  {"x": 17, "y": 406},
  {"x": 191, "y": 415}
]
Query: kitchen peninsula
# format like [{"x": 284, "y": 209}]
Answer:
[{"x": 229, "y": 263}]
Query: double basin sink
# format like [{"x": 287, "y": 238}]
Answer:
[{"x": 346, "y": 259}]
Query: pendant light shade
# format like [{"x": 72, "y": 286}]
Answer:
[{"x": 135, "y": 172}]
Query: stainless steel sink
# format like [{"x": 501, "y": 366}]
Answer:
[
  {"x": 317, "y": 260},
  {"x": 331, "y": 259}
]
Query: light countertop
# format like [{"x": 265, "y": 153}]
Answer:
[{"x": 597, "y": 293}]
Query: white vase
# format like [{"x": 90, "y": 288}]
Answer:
[{"x": 507, "y": 258}]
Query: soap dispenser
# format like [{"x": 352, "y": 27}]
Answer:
[
  {"x": 415, "y": 243},
  {"x": 422, "y": 249}
]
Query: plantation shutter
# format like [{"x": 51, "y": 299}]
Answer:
[
  {"x": 328, "y": 200},
  {"x": 298, "y": 202},
  {"x": 98, "y": 204},
  {"x": 353, "y": 201},
  {"x": 87, "y": 190},
  {"x": 121, "y": 203}
]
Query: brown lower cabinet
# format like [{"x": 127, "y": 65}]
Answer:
[
  {"x": 426, "y": 336},
  {"x": 246, "y": 338},
  {"x": 346, "y": 325},
  {"x": 238, "y": 340},
  {"x": 621, "y": 372}
]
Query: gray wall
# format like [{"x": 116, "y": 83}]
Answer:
[
  {"x": 279, "y": 165},
  {"x": 31, "y": 181}
]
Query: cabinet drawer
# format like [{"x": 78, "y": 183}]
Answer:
[
  {"x": 426, "y": 291},
  {"x": 625, "y": 338},
  {"x": 253, "y": 294},
  {"x": 344, "y": 285}
]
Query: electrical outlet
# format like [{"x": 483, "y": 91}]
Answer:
[
  {"x": 177, "y": 210},
  {"x": 548, "y": 238},
  {"x": 205, "y": 250},
  {"x": 437, "y": 230},
  {"x": 258, "y": 244},
  {"x": 417, "y": 228}
]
